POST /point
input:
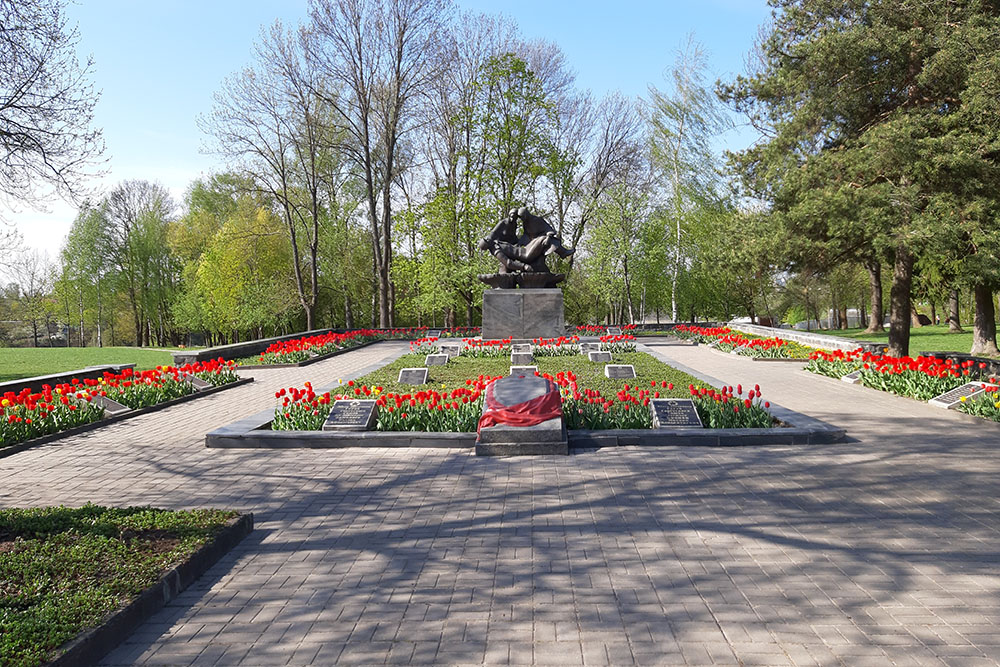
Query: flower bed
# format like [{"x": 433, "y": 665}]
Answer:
[
  {"x": 746, "y": 345},
  {"x": 563, "y": 346},
  {"x": 921, "y": 378},
  {"x": 486, "y": 349},
  {"x": 26, "y": 415},
  {"x": 590, "y": 400},
  {"x": 65, "y": 570}
]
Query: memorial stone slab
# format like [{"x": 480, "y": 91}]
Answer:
[
  {"x": 198, "y": 383},
  {"x": 111, "y": 407},
  {"x": 436, "y": 360},
  {"x": 952, "y": 399},
  {"x": 674, "y": 413},
  {"x": 527, "y": 371},
  {"x": 451, "y": 350},
  {"x": 614, "y": 331},
  {"x": 412, "y": 376},
  {"x": 587, "y": 348},
  {"x": 600, "y": 357},
  {"x": 852, "y": 378},
  {"x": 521, "y": 358},
  {"x": 433, "y": 333},
  {"x": 548, "y": 437},
  {"x": 522, "y": 348},
  {"x": 619, "y": 371},
  {"x": 349, "y": 415}
]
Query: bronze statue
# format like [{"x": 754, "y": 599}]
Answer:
[{"x": 522, "y": 258}]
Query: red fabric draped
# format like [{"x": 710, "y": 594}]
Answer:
[{"x": 535, "y": 411}]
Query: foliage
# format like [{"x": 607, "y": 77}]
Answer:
[{"x": 65, "y": 569}]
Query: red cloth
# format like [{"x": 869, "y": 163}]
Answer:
[{"x": 535, "y": 411}]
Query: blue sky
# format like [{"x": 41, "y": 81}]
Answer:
[{"x": 157, "y": 65}]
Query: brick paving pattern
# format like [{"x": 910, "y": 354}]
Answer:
[{"x": 882, "y": 550}]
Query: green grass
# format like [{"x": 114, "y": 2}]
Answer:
[
  {"x": 23, "y": 362},
  {"x": 62, "y": 570},
  {"x": 930, "y": 338},
  {"x": 589, "y": 375}
]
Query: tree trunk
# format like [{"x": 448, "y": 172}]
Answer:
[
  {"x": 954, "y": 326},
  {"x": 984, "y": 327},
  {"x": 876, "y": 317},
  {"x": 934, "y": 319},
  {"x": 900, "y": 308},
  {"x": 914, "y": 317}
]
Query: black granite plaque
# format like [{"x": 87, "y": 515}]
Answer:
[
  {"x": 198, "y": 383},
  {"x": 528, "y": 371},
  {"x": 587, "y": 348},
  {"x": 674, "y": 413},
  {"x": 601, "y": 357},
  {"x": 852, "y": 378},
  {"x": 451, "y": 350},
  {"x": 952, "y": 398},
  {"x": 434, "y": 333},
  {"x": 513, "y": 389},
  {"x": 521, "y": 348},
  {"x": 436, "y": 360},
  {"x": 351, "y": 415},
  {"x": 619, "y": 371},
  {"x": 614, "y": 331},
  {"x": 111, "y": 407},
  {"x": 521, "y": 358},
  {"x": 412, "y": 376}
]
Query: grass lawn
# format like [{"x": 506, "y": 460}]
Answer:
[
  {"x": 22, "y": 362},
  {"x": 63, "y": 570},
  {"x": 931, "y": 338}
]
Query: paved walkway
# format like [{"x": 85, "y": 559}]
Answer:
[{"x": 883, "y": 550}]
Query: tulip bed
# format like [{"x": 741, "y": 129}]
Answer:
[
  {"x": 452, "y": 400},
  {"x": 746, "y": 345},
  {"x": 921, "y": 378},
  {"x": 297, "y": 350},
  {"x": 25, "y": 415},
  {"x": 63, "y": 570}
]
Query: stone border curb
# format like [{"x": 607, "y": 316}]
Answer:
[
  {"x": 84, "y": 428},
  {"x": 89, "y": 647},
  {"x": 307, "y": 362}
]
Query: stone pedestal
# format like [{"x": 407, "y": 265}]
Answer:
[{"x": 523, "y": 314}]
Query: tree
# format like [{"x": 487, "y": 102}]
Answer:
[
  {"x": 46, "y": 103},
  {"x": 682, "y": 125},
  {"x": 378, "y": 55},
  {"x": 33, "y": 274},
  {"x": 893, "y": 102}
]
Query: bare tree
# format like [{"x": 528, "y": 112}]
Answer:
[
  {"x": 46, "y": 103},
  {"x": 378, "y": 55}
]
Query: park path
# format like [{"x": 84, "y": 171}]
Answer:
[{"x": 881, "y": 550}]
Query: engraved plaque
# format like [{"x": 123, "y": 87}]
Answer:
[
  {"x": 952, "y": 399},
  {"x": 852, "y": 378},
  {"x": 198, "y": 383},
  {"x": 111, "y": 407},
  {"x": 619, "y": 371},
  {"x": 527, "y": 371},
  {"x": 614, "y": 331},
  {"x": 433, "y": 333},
  {"x": 436, "y": 359},
  {"x": 600, "y": 357},
  {"x": 451, "y": 350},
  {"x": 674, "y": 413},
  {"x": 351, "y": 415},
  {"x": 587, "y": 348},
  {"x": 521, "y": 348},
  {"x": 520, "y": 358},
  {"x": 412, "y": 376}
]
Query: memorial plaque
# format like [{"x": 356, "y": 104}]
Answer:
[
  {"x": 412, "y": 376},
  {"x": 600, "y": 357},
  {"x": 451, "y": 350},
  {"x": 521, "y": 358},
  {"x": 587, "y": 348},
  {"x": 674, "y": 413},
  {"x": 436, "y": 360},
  {"x": 351, "y": 416},
  {"x": 111, "y": 407},
  {"x": 852, "y": 378},
  {"x": 619, "y": 371},
  {"x": 527, "y": 371},
  {"x": 614, "y": 331},
  {"x": 522, "y": 348},
  {"x": 198, "y": 383},
  {"x": 952, "y": 399},
  {"x": 434, "y": 333}
]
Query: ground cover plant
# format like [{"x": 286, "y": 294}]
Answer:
[
  {"x": 23, "y": 362},
  {"x": 921, "y": 378},
  {"x": 63, "y": 570},
  {"x": 26, "y": 414},
  {"x": 452, "y": 399}
]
